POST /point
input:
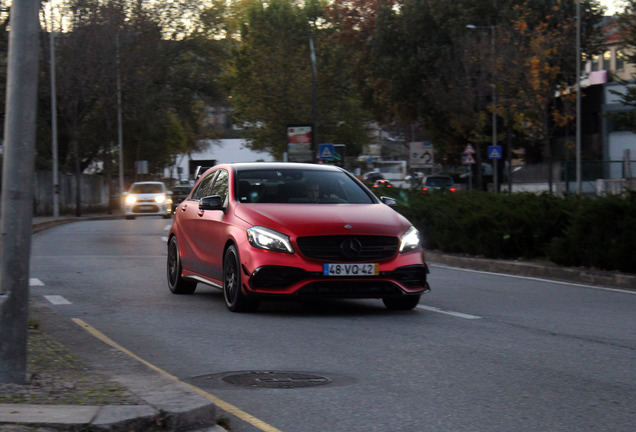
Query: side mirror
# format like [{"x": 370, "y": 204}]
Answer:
[
  {"x": 214, "y": 202},
  {"x": 389, "y": 201}
]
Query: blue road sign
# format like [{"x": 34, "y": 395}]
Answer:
[
  {"x": 326, "y": 151},
  {"x": 494, "y": 152}
]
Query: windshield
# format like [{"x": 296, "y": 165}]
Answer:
[
  {"x": 299, "y": 186},
  {"x": 439, "y": 181},
  {"x": 146, "y": 188}
]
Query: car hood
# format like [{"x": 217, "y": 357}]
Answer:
[
  {"x": 325, "y": 219},
  {"x": 147, "y": 196}
]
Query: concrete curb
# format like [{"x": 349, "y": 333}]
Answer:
[{"x": 42, "y": 223}]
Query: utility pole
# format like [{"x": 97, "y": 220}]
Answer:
[
  {"x": 578, "y": 99},
  {"x": 54, "y": 147},
  {"x": 16, "y": 204},
  {"x": 314, "y": 110},
  {"x": 120, "y": 133}
]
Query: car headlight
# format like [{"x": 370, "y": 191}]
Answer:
[
  {"x": 410, "y": 240},
  {"x": 160, "y": 199},
  {"x": 267, "y": 239},
  {"x": 131, "y": 199}
]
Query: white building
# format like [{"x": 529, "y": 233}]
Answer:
[{"x": 215, "y": 152}]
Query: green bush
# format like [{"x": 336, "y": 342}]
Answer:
[
  {"x": 572, "y": 231},
  {"x": 601, "y": 234}
]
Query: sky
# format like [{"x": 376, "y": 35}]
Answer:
[{"x": 613, "y": 6}]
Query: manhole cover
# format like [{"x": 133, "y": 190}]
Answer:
[{"x": 272, "y": 379}]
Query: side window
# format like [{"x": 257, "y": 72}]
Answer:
[
  {"x": 620, "y": 60},
  {"x": 204, "y": 186},
  {"x": 607, "y": 57},
  {"x": 220, "y": 186}
]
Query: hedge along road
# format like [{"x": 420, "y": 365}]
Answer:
[{"x": 482, "y": 352}]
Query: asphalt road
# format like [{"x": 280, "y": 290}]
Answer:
[{"x": 482, "y": 352}]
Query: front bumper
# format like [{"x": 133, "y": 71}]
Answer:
[
  {"x": 147, "y": 209},
  {"x": 272, "y": 280}
]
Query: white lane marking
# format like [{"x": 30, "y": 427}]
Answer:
[
  {"x": 57, "y": 299},
  {"x": 164, "y": 239},
  {"x": 167, "y": 228},
  {"x": 35, "y": 282},
  {"x": 447, "y": 312},
  {"x": 536, "y": 279}
]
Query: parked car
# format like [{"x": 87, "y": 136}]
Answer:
[
  {"x": 277, "y": 230},
  {"x": 148, "y": 198},
  {"x": 438, "y": 183},
  {"x": 178, "y": 194}
]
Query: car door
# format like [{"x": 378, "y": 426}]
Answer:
[
  {"x": 188, "y": 218},
  {"x": 210, "y": 231}
]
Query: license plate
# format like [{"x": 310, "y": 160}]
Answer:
[
  {"x": 147, "y": 208},
  {"x": 345, "y": 269}
]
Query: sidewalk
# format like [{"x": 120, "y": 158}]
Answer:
[{"x": 168, "y": 405}]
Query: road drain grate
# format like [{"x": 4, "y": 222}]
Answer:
[{"x": 273, "y": 379}]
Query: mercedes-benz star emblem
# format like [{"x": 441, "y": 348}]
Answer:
[{"x": 351, "y": 248}]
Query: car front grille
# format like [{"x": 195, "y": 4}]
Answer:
[
  {"x": 145, "y": 208},
  {"x": 348, "y": 248}
]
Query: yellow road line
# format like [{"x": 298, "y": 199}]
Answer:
[{"x": 231, "y": 409}]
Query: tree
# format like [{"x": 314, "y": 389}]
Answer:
[
  {"x": 545, "y": 37},
  {"x": 270, "y": 78},
  {"x": 165, "y": 85},
  {"x": 426, "y": 70},
  {"x": 627, "y": 28}
]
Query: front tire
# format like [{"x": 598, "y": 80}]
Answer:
[
  {"x": 401, "y": 303},
  {"x": 235, "y": 300},
  {"x": 176, "y": 283}
]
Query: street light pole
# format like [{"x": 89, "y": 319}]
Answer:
[
  {"x": 314, "y": 110},
  {"x": 494, "y": 105},
  {"x": 578, "y": 97},
  {"x": 120, "y": 134},
  {"x": 54, "y": 143},
  {"x": 494, "y": 94}
]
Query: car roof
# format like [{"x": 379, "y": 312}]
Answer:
[
  {"x": 246, "y": 166},
  {"x": 149, "y": 182}
]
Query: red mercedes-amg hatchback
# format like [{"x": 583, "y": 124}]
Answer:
[{"x": 268, "y": 230}]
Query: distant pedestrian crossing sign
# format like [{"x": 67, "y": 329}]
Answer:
[
  {"x": 326, "y": 151},
  {"x": 494, "y": 152},
  {"x": 468, "y": 159}
]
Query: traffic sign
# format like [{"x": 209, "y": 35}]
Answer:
[
  {"x": 326, "y": 151},
  {"x": 468, "y": 159},
  {"x": 470, "y": 149},
  {"x": 422, "y": 154},
  {"x": 494, "y": 152}
]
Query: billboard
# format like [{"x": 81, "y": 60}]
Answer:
[{"x": 300, "y": 143}]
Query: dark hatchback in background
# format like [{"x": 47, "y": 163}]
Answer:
[
  {"x": 438, "y": 183},
  {"x": 178, "y": 194},
  {"x": 280, "y": 230}
]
